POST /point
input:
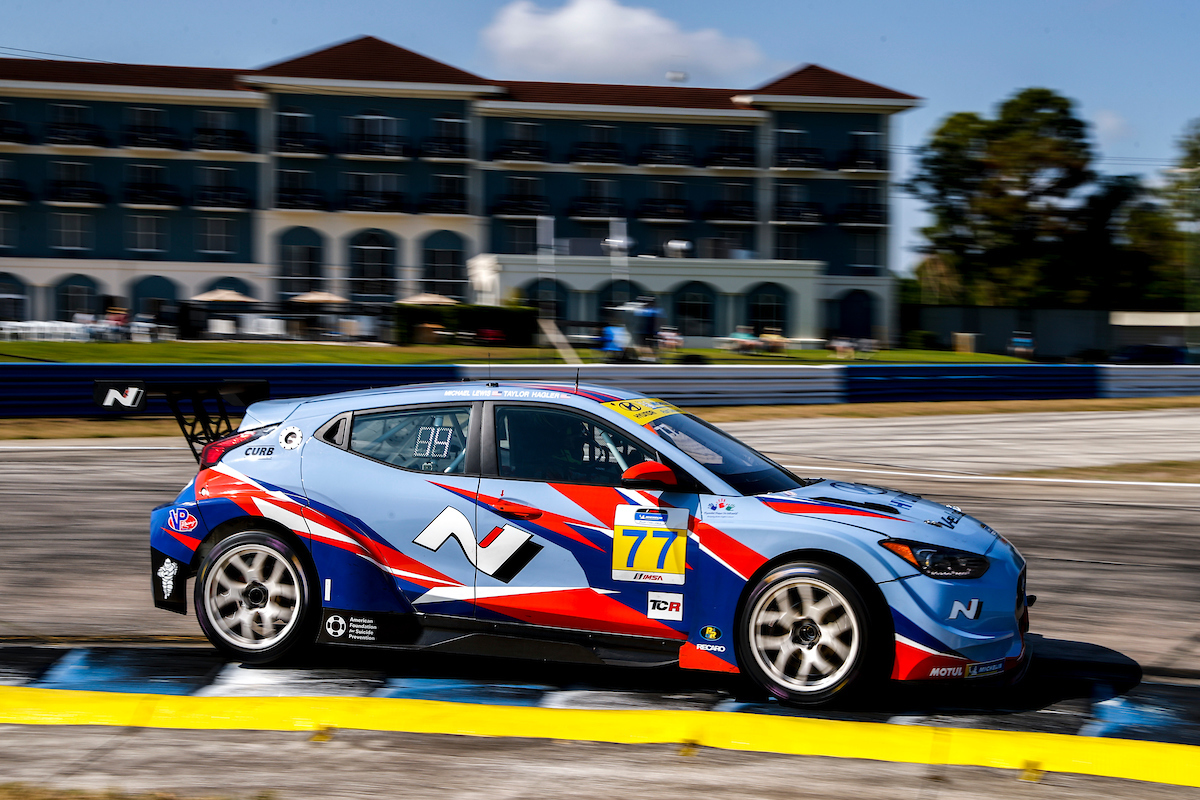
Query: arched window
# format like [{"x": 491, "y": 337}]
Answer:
[
  {"x": 373, "y": 267},
  {"x": 12, "y": 298},
  {"x": 616, "y": 293},
  {"x": 76, "y": 294},
  {"x": 696, "y": 309},
  {"x": 151, "y": 294},
  {"x": 445, "y": 270},
  {"x": 233, "y": 284},
  {"x": 856, "y": 315},
  {"x": 549, "y": 297},
  {"x": 300, "y": 262},
  {"x": 767, "y": 308}
]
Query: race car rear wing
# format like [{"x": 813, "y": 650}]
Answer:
[{"x": 201, "y": 408}]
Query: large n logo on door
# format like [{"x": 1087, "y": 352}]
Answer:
[{"x": 502, "y": 554}]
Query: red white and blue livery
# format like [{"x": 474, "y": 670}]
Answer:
[{"x": 576, "y": 524}]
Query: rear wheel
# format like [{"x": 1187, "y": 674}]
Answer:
[
  {"x": 804, "y": 633},
  {"x": 253, "y": 599}
]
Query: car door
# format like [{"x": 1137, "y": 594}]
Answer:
[
  {"x": 597, "y": 556},
  {"x": 398, "y": 486}
]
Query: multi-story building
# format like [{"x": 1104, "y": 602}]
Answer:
[{"x": 375, "y": 173}]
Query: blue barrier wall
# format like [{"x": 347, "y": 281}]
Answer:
[
  {"x": 937, "y": 382},
  {"x": 65, "y": 390}
]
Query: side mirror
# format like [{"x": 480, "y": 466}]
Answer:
[{"x": 649, "y": 475}]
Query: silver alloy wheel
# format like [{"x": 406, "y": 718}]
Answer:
[
  {"x": 252, "y": 595},
  {"x": 804, "y": 634}
]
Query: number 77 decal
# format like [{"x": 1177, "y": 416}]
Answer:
[{"x": 650, "y": 544}]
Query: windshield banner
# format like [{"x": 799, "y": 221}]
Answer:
[{"x": 643, "y": 410}]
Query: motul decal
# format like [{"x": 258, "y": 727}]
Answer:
[{"x": 502, "y": 554}]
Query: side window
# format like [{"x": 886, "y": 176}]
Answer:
[
  {"x": 543, "y": 444},
  {"x": 423, "y": 440}
]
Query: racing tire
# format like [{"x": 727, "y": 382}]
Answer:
[
  {"x": 804, "y": 634},
  {"x": 253, "y": 598}
]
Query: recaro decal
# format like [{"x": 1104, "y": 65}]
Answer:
[{"x": 502, "y": 554}]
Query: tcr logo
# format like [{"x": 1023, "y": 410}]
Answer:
[{"x": 501, "y": 554}]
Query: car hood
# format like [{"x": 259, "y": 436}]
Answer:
[{"x": 889, "y": 512}]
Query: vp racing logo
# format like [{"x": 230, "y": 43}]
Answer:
[
  {"x": 181, "y": 520},
  {"x": 502, "y": 553}
]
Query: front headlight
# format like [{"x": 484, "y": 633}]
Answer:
[{"x": 937, "y": 561}]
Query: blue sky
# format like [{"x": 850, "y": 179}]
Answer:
[{"x": 1131, "y": 67}]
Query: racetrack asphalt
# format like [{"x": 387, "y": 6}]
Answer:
[{"x": 1115, "y": 570}]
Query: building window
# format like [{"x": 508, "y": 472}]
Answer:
[
  {"x": 734, "y": 138},
  {"x": 147, "y": 117},
  {"x": 147, "y": 234},
  {"x": 8, "y": 229},
  {"x": 70, "y": 114},
  {"x": 524, "y": 187},
  {"x": 445, "y": 273},
  {"x": 599, "y": 188},
  {"x": 695, "y": 310},
  {"x": 6, "y": 112},
  {"x": 524, "y": 131},
  {"x": 669, "y": 136},
  {"x": 211, "y": 119},
  {"x": 76, "y": 299},
  {"x": 453, "y": 185},
  {"x": 766, "y": 309},
  {"x": 6, "y": 171},
  {"x": 146, "y": 174},
  {"x": 667, "y": 190},
  {"x": 601, "y": 134},
  {"x": 215, "y": 177},
  {"x": 372, "y": 254},
  {"x": 522, "y": 239},
  {"x": 293, "y": 122},
  {"x": 294, "y": 179},
  {"x": 372, "y": 183},
  {"x": 791, "y": 139},
  {"x": 374, "y": 126},
  {"x": 866, "y": 250},
  {"x": 735, "y": 192},
  {"x": 792, "y": 193},
  {"x": 450, "y": 128},
  {"x": 215, "y": 235},
  {"x": 70, "y": 172},
  {"x": 300, "y": 269},
  {"x": 71, "y": 231},
  {"x": 865, "y": 195},
  {"x": 791, "y": 245}
]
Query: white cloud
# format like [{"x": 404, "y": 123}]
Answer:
[
  {"x": 604, "y": 41},
  {"x": 1111, "y": 127}
]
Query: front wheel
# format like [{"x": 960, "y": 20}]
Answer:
[
  {"x": 804, "y": 633},
  {"x": 252, "y": 597}
]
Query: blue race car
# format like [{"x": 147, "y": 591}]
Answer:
[{"x": 575, "y": 524}]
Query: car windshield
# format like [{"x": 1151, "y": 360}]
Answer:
[{"x": 741, "y": 467}]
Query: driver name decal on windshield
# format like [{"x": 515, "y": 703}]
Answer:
[
  {"x": 642, "y": 410},
  {"x": 650, "y": 544}
]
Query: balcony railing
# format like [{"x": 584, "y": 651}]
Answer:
[
  {"x": 667, "y": 155},
  {"x": 299, "y": 142},
  {"x": 800, "y": 158},
  {"x": 151, "y": 194},
  {"x": 14, "y": 190},
  {"x": 595, "y": 208},
  {"x": 222, "y": 139},
  {"x": 805, "y": 213},
  {"x": 442, "y": 203},
  {"x": 522, "y": 205},
  {"x": 863, "y": 214},
  {"x": 75, "y": 133},
  {"x": 864, "y": 159},
  {"x": 308, "y": 199},
  {"x": 733, "y": 210},
  {"x": 444, "y": 147},
  {"x": 221, "y": 197},
  {"x": 520, "y": 150},
  {"x": 377, "y": 145},
  {"x": 14, "y": 132},
  {"x": 76, "y": 192},
  {"x": 731, "y": 156},
  {"x": 674, "y": 210},
  {"x": 393, "y": 202},
  {"x": 597, "y": 153},
  {"x": 152, "y": 136}
]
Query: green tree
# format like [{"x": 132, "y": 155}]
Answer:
[{"x": 1000, "y": 192}]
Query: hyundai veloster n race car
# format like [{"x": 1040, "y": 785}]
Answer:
[{"x": 580, "y": 524}]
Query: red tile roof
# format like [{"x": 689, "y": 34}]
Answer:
[
  {"x": 369, "y": 59},
  {"x": 34, "y": 69},
  {"x": 814, "y": 81},
  {"x": 618, "y": 95}
]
